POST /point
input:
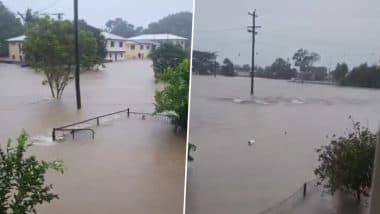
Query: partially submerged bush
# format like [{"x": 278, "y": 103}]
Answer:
[
  {"x": 346, "y": 164},
  {"x": 22, "y": 179}
]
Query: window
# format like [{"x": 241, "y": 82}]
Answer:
[
  {"x": 13, "y": 57},
  {"x": 120, "y": 44},
  {"x": 147, "y": 47},
  {"x": 132, "y": 47},
  {"x": 110, "y": 55},
  {"x": 112, "y": 44},
  {"x": 141, "y": 47}
]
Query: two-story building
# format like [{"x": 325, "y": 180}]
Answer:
[
  {"x": 115, "y": 46},
  {"x": 15, "y": 48}
]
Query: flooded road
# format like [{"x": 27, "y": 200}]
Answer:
[
  {"x": 132, "y": 165},
  {"x": 286, "y": 120}
]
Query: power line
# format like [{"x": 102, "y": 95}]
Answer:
[
  {"x": 222, "y": 29},
  {"x": 48, "y": 7}
]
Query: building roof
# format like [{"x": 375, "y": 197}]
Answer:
[
  {"x": 17, "y": 39},
  {"x": 156, "y": 37},
  {"x": 112, "y": 36}
]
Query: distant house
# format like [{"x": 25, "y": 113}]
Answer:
[
  {"x": 159, "y": 39},
  {"x": 115, "y": 46},
  {"x": 15, "y": 48},
  {"x": 118, "y": 47}
]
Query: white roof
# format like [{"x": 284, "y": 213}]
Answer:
[
  {"x": 112, "y": 36},
  {"x": 17, "y": 39},
  {"x": 157, "y": 37}
]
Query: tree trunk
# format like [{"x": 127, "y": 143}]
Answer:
[
  {"x": 358, "y": 195},
  {"x": 51, "y": 89}
]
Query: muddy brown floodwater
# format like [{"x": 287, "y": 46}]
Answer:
[
  {"x": 132, "y": 165},
  {"x": 286, "y": 120}
]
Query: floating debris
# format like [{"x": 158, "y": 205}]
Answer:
[{"x": 251, "y": 142}]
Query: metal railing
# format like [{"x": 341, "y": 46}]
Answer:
[
  {"x": 97, "y": 119},
  {"x": 287, "y": 204}
]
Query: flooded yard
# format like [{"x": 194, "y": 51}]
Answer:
[
  {"x": 132, "y": 165},
  {"x": 286, "y": 121}
]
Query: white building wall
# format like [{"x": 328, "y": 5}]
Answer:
[{"x": 115, "y": 50}]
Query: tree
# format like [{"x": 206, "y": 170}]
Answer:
[
  {"x": 49, "y": 45},
  {"x": 28, "y": 17},
  {"x": 204, "y": 62},
  {"x": 305, "y": 59},
  {"x": 340, "y": 72},
  {"x": 174, "y": 97},
  {"x": 281, "y": 69},
  {"x": 246, "y": 68},
  {"x": 101, "y": 51},
  {"x": 346, "y": 164},
  {"x": 122, "y": 28},
  {"x": 363, "y": 76},
  {"x": 10, "y": 26},
  {"x": 227, "y": 68},
  {"x": 22, "y": 179},
  {"x": 179, "y": 24},
  {"x": 167, "y": 55}
]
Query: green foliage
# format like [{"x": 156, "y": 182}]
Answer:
[
  {"x": 363, "y": 76},
  {"x": 167, "y": 55},
  {"x": 122, "y": 28},
  {"x": 204, "y": 62},
  {"x": 340, "y": 72},
  {"x": 191, "y": 148},
  {"x": 101, "y": 50},
  {"x": 174, "y": 97},
  {"x": 49, "y": 46},
  {"x": 305, "y": 59},
  {"x": 280, "y": 69},
  {"x": 10, "y": 26},
  {"x": 346, "y": 164},
  {"x": 227, "y": 68},
  {"x": 179, "y": 24},
  {"x": 22, "y": 179}
]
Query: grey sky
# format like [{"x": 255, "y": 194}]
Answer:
[
  {"x": 338, "y": 30},
  {"x": 97, "y": 12}
]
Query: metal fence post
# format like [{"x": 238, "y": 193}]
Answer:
[
  {"x": 128, "y": 112},
  {"x": 97, "y": 121},
  {"x": 53, "y": 134},
  {"x": 304, "y": 189}
]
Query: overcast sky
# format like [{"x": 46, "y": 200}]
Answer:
[
  {"x": 97, "y": 12},
  {"x": 338, "y": 30}
]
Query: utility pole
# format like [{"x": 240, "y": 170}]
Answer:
[
  {"x": 77, "y": 74},
  {"x": 252, "y": 29}
]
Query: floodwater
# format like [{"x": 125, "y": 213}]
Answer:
[
  {"x": 287, "y": 121},
  {"x": 132, "y": 165}
]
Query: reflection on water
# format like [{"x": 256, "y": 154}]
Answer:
[
  {"x": 132, "y": 165},
  {"x": 286, "y": 120}
]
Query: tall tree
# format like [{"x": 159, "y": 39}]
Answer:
[
  {"x": 10, "y": 26},
  {"x": 49, "y": 45},
  {"x": 228, "y": 68},
  {"x": 204, "y": 62},
  {"x": 281, "y": 69},
  {"x": 340, "y": 72},
  {"x": 304, "y": 59},
  {"x": 101, "y": 51},
  {"x": 122, "y": 28}
]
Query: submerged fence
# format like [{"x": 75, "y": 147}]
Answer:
[
  {"x": 287, "y": 205},
  {"x": 75, "y": 127}
]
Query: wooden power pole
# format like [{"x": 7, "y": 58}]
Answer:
[
  {"x": 77, "y": 69},
  {"x": 252, "y": 29}
]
